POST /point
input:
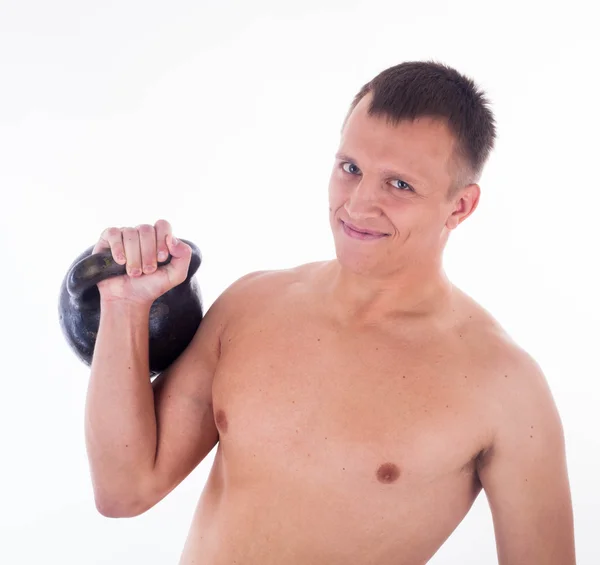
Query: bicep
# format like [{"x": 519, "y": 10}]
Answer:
[
  {"x": 525, "y": 479},
  {"x": 185, "y": 426}
]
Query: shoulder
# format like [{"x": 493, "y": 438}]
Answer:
[
  {"x": 523, "y": 468},
  {"x": 514, "y": 374},
  {"x": 519, "y": 402},
  {"x": 504, "y": 361},
  {"x": 521, "y": 387},
  {"x": 258, "y": 289},
  {"x": 265, "y": 282},
  {"x": 525, "y": 405}
]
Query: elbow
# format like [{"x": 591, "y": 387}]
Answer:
[
  {"x": 119, "y": 508},
  {"x": 126, "y": 502}
]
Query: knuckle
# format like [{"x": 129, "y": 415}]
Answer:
[
  {"x": 111, "y": 232},
  {"x": 162, "y": 224},
  {"x": 145, "y": 228}
]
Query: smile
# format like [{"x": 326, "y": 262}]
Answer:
[{"x": 357, "y": 233}]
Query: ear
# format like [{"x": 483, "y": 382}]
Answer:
[{"x": 465, "y": 202}]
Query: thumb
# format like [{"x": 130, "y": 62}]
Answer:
[
  {"x": 180, "y": 253},
  {"x": 177, "y": 248}
]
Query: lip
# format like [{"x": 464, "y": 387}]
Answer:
[
  {"x": 358, "y": 234},
  {"x": 363, "y": 230}
]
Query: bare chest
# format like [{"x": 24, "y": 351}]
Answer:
[{"x": 298, "y": 396}]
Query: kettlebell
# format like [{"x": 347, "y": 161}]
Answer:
[{"x": 174, "y": 317}]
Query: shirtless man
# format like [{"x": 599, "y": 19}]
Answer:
[{"x": 360, "y": 405}]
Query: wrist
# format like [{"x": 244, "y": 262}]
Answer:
[{"x": 125, "y": 306}]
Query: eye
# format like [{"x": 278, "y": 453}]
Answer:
[
  {"x": 350, "y": 165},
  {"x": 403, "y": 185},
  {"x": 352, "y": 169}
]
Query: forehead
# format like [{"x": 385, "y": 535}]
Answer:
[{"x": 423, "y": 148}]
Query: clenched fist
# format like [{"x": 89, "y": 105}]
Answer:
[{"x": 140, "y": 249}]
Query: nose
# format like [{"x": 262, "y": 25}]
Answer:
[{"x": 363, "y": 199}]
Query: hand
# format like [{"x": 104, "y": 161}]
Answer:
[{"x": 140, "y": 248}]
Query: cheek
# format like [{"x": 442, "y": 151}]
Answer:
[
  {"x": 412, "y": 224},
  {"x": 337, "y": 195},
  {"x": 427, "y": 227}
]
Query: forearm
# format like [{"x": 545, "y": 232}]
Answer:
[{"x": 120, "y": 419}]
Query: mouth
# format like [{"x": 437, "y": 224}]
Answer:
[{"x": 357, "y": 232}]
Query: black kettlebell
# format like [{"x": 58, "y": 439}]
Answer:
[{"x": 174, "y": 317}]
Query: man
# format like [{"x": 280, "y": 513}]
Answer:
[{"x": 361, "y": 404}]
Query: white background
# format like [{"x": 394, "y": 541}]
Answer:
[{"x": 224, "y": 117}]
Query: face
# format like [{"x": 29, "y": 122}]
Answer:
[{"x": 391, "y": 184}]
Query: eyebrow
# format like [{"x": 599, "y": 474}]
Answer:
[{"x": 387, "y": 172}]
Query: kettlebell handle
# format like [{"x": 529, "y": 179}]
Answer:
[{"x": 95, "y": 268}]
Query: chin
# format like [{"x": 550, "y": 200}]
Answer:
[{"x": 355, "y": 261}]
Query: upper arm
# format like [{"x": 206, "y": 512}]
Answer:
[
  {"x": 525, "y": 476},
  {"x": 185, "y": 426}
]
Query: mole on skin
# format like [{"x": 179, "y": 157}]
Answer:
[{"x": 388, "y": 473}]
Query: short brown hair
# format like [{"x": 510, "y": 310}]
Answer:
[{"x": 416, "y": 89}]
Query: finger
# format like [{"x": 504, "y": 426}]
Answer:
[
  {"x": 178, "y": 248},
  {"x": 175, "y": 245},
  {"x": 147, "y": 247},
  {"x": 131, "y": 241},
  {"x": 163, "y": 229},
  {"x": 112, "y": 239},
  {"x": 181, "y": 254}
]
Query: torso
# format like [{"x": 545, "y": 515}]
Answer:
[{"x": 343, "y": 444}]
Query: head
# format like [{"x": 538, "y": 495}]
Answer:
[{"x": 412, "y": 150}]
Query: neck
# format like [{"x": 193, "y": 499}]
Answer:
[{"x": 416, "y": 291}]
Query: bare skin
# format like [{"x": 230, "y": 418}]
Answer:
[
  {"x": 342, "y": 440},
  {"x": 359, "y": 405}
]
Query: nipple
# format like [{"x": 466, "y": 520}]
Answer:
[
  {"x": 388, "y": 473},
  {"x": 221, "y": 420}
]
